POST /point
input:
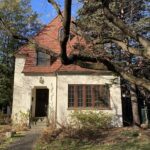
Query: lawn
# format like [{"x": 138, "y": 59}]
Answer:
[
  {"x": 4, "y": 141},
  {"x": 115, "y": 139},
  {"x": 3, "y": 130}
]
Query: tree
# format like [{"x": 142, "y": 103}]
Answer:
[
  {"x": 110, "y": 41},
  {"x": 16, "y": 18},
  {"x": 120, "y": 25},
  {"x": 102, "y": 16}
]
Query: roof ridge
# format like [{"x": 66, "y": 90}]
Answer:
[{"x": 47, "y": 25}]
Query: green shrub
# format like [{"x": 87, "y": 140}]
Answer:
[
  {"x": 91, "y": 120},
  {"x": 80, "y": 125}
]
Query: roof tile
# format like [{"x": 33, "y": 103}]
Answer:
[{"x": 48, "y": 38}]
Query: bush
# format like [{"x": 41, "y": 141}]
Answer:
[
  {"x": 91, "y": 120},
  {"x": 82, "y": 125},
  {"x": 4, "y": 119}
]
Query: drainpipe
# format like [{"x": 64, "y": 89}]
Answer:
[
  {"x": 31, "y": 107},
  {"x": 56, "y": 99}
]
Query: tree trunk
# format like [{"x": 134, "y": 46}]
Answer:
[
  {"x": 66, "y": 32},
  {"x": 134, "y": 103}
]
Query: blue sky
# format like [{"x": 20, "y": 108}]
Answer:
[{"x": 47, "y": 12}]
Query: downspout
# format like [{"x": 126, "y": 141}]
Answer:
[{"x": 56, "y": 99}]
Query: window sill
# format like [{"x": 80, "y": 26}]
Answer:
[{"x": 88, "y": 108}]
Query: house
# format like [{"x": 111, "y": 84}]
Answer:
[{"x": 43, "y": 87}]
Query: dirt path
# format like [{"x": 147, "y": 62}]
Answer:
[{"x": 26, "y": 142}]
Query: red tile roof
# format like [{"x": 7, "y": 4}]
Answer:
[
  {"x": 74, "y": 68},
  {"x": 47, "y": 38}
]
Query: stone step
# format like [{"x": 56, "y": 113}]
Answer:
[
  {"x": 39, "y": 122},
  {"x": 38, "y": 127},
  {"x": 39, "y": 119}
]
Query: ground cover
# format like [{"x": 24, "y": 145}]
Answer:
[{"x": 112, "y": 139}]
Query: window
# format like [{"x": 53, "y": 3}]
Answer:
[
  {"x": 101, "y": 94},
  {"x": 80, "y": 95},
  {"x": 43, "y": 59},
  {"x": 71, "y": 96},
  {"x": 87, "y": 96}
]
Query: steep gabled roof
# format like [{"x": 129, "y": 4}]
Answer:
[{"x": 47, "y": 39}]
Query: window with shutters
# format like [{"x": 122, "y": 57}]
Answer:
[{"x": 89, "y": 96}]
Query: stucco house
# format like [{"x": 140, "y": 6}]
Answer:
[{"x": 46, "y": 88}]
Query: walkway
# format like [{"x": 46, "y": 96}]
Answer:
[{"x": 26, "y": 142}]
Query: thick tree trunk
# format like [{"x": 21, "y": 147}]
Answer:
[
  {"x": 66, "y": 32},
  {"x": 134, "y": 103}
]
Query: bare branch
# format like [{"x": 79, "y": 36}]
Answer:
[
  {"x": 112, "y": 66},
  {"x": 80, "y": 60},
  {"x": 129, "y": 49},
  {"x": 56, "y": 6},
  {"x": 126, "y": 29},
  {"x": 15, "y": 36}
]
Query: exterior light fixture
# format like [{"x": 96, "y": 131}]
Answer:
[{"x": 41, "y": 80}]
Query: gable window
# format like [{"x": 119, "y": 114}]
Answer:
[
  {"x": 89, "y": 96},
  {"x": 43, "y": 59}
]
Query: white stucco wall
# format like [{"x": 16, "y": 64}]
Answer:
[
  {"x": 26, "y": 85},
  {"x": 24, "y": 90},
  {"x": 62, "y": 95}
]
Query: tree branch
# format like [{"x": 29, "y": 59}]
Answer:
[
  {"x": 56, "y": 6},
  {"x": 80, "y": 60},
  {"x": 15, "y": 36},
  {"x": 112, "y": 66},
  {"x": 126, "y": 29},
  {"x": 127, "y": 48}
]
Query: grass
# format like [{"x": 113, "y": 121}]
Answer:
[
  {"x": 8, "y": 141},
  {"x": 72, "y": 144},
  {"x": 129, "y": 133},
  {"x": 4, "y": 128},
  {"x": 115, "y": 140},
  {"x": 4, "y": 141}
]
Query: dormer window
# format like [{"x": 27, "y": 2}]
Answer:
[{"x": 43, "y": 59}]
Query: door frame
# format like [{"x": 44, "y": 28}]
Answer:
[{"x": 33, "y": 100}]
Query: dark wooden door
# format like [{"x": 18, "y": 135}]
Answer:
[{"x": 41, "y": 102}]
